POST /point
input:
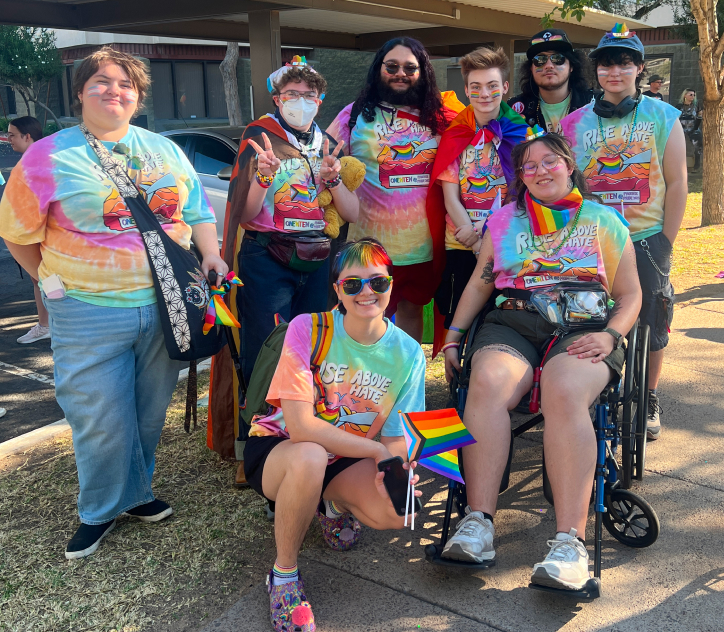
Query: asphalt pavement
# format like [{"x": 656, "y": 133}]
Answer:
[{"x": 26, "y": 371}]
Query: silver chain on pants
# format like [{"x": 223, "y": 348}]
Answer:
[{"x": 645, "y": 248}]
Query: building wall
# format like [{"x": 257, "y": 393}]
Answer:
[{"x": 685, "y": 71}]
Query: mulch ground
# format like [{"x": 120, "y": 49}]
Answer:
[{"x": 178, "y": 575}]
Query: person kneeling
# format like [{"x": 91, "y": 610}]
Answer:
[
  {"x": 314, "y": 451},
  {"x": 554, "y": 232}
]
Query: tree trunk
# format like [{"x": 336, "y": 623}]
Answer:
[
  {"x": 49, "y": 111},
  {"x": 712, "y": 203},
  {"x": 231, "y": 87}
]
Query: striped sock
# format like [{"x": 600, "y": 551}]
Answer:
[
  {"x": 331, "y": 510},
  {"x": 284, "y": 575}
]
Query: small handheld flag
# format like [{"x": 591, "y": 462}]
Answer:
[{"x": 433, "y": 437}]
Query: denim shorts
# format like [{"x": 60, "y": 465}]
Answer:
[{"x": 657, "y": 304}]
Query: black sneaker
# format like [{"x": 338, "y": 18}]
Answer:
[
  {"x": 87, "y": 539},
  {"x": 151, "y": 512},
  {"x": 653, "y": 423}
]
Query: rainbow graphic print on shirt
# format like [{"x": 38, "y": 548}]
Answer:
[
  {"x": 398, "y": 153},
  {"x": 292, "y": 199},
  {"x": 592, "y": 251},
  {"x": 628, "y": 175}
]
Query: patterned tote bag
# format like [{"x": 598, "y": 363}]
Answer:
[{"x": 182, "y": 292}]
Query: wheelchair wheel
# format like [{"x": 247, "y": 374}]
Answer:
[
  {"x": 628, "y": 417},
  {"x": 642, "y": 403},
  {"x": 630, "y": 519}
]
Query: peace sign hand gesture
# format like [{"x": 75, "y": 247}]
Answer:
[
  {"x": 330, "y": 163},
  {"x": 267, "y": 162}
]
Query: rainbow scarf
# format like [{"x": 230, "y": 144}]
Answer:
[
  {"x": 546, "y": 219},
  {"x": 217, "y": 313}
]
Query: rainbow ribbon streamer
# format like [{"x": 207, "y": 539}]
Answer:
[{"x": 217, "y": 313}]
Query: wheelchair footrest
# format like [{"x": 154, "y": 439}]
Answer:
[
  {"x": 433, "y": 552},
  {"x": 591, "y": 591}
]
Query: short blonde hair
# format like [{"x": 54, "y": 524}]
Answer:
[
  {"x": 132, "y": 66},
  {"x": 483, "y": 59}
]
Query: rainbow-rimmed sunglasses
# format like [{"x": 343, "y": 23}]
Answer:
[{"x": 352, "y": 286}]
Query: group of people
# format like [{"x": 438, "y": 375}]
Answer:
[{"x": 466, "y": 205}]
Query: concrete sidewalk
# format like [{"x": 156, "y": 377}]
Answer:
[{"x": 675, "y": 585}]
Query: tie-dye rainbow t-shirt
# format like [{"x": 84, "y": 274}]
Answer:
[
  {"x": 366, "y": 384},
  {"x": 398, "y": 153},
  {"x": 631, "y": 175},
  {"x": 58, "y": 196},
  {"x": 592, "y": 252},
  {"x": 480, "y": 175}
]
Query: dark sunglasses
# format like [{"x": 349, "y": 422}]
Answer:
[
  {"x": 541, "y": 60},
  {"x": 392, "y": 68},
  {"x": 352, "y": 286}
]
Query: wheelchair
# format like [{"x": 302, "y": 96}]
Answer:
[{"x": 620, "y": 417}]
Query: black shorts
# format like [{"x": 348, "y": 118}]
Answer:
[
  {"x": 255, "y": 455},
  {"x": 459, "y": 266},
  {"x": 657, "y": 304},
  {"x": 529, "y": 333}
]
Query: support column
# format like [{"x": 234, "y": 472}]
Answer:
[
  {"x": 265, "y": 52},
  {"x": 508, "y": 45}
]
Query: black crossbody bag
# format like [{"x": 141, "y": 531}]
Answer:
[{"x": 182, "y": 292}]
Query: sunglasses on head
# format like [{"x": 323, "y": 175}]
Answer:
[
  {"x": 392, "y": 68},
  {"x": 354, "y": 285},
  {"x": 541, "y": 60}
]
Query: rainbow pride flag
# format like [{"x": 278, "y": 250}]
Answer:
[
  {"x": 432, "y": 432},
  {"x": 403, "y": 151},
  {"x": 304, "y": 194},
  {"x": 545, "y": 219},
  {"x": 610, "y": 164},
  {"x": 446, "y": 464},
  {"x": 217, "y": 312}
]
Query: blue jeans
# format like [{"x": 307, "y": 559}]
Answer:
[
  {"x": 272, "y": 288},
  {"x": 114, "y": 381}
]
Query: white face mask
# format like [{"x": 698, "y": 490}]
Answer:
[{"x": 299, "y": 113}]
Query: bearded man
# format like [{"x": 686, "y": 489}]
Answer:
[{"x": 394, "y": 127}]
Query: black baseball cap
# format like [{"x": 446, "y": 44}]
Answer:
[{"x": 550, "y": 39}]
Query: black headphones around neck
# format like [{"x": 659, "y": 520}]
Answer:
[{"x": 606, "y": 109}]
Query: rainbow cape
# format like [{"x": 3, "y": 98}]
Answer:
[
  {"x": 217, "y": 313},
  {"x": 430, "y": 433},
  {"x": 510, "y": 128},
  {"x": 446, "y": 464},
  {"x": 548, "y": 219}
]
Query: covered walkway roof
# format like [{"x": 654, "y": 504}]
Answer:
[
  {"x": 449, "y": 29},
  {"x": 348, "y": 24}
]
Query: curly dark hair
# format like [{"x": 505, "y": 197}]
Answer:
[
  {"x": 430, "y": 99},
  {"x": 298, "y": 74},
  {"x": 580, "y": 80},
  {"x": 560, "y": 146}
]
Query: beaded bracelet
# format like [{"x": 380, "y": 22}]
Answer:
[
  {"x": 461, "y": 331},
  {"x": 264, "y": 181},
  {"x": 449, "y": 345},
  {"x": 331, "y": 184}
]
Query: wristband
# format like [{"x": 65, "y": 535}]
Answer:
[
  {"x": 449, "y": 345},
  {"x": 264, "y": 181},
  {"x": 331, "y": 184},
  {"x": 461, "y": 331}
]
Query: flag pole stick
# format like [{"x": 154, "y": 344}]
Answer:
[{"x": 412, "y": 498}]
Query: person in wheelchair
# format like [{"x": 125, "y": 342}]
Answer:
[{"x": 554, "y": 232}]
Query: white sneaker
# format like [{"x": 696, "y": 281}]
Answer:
[
  {"x": 473, "y": 540},
  {"x": 565, "y": 566},
  {"x": 38, "y": 332}
]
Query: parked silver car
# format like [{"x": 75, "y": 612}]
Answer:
[{"x": 211, "y": 151}]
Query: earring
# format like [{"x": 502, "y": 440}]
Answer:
[{"x": 570, "y": 183}]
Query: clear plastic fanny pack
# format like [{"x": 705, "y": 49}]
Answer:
[{"x": 573, "y": 305}]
